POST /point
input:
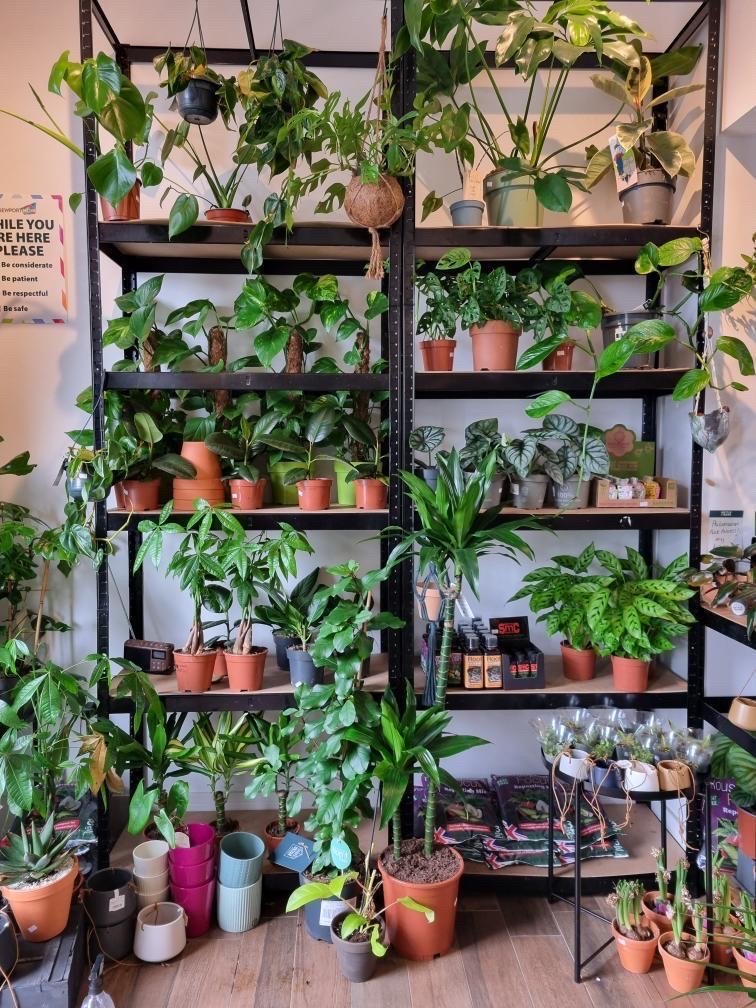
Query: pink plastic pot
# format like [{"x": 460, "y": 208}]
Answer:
[
  {"x": 192, "y": 874},
  {"x": 201, "y": 846},
  {"x": 197, "y": 901}
]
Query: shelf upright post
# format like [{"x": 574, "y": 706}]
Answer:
[
  {"x": 98, "y": 406},
  {"x": 402, "y": 394}
]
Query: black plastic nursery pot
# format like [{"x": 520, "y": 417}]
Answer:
[
  {"x": 114, "y": 942},
  {"x": 356, "y": 959},
  {"x": 110, "y": 897},
  {"x": 198, "y": 102},
  {"x": 282, "y": 645},
  {"x": 319, "y": 914}
]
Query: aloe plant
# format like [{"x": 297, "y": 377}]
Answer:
[{"x": 34, "y": 856}]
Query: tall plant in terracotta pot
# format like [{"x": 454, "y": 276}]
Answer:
[
  {"x": 197, "y": 566},
  {"x": 634, "y": 939},
  {"x": 240, "y": 443},
  {"x": 277, "y": 745},
  {"x": 637, "y": 616},
  {"x": 684, "y": 956}
]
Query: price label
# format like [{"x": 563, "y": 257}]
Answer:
[
  {"x": 116, "y": 902},
  {"x": 623, "y": 162},
  {"x": 340, "y": 853},
  {"x": 472, "y": 186},
  {"x": 330, "y": 909}
]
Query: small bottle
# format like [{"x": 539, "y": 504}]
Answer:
[
  {"x": 97, "y": 997},
  {"x": 454, "y": 676},
  {"x": 472, "y": 663},
  {"x": 492, "y": 676}
]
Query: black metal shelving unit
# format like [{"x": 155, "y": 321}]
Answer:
[{"x": 143, "y": 247}]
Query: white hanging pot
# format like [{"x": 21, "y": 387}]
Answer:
[
  {"x": 639, "y": 776},
  {"x": 574, "y": 764},
  {"x": 160, "y": 932}
]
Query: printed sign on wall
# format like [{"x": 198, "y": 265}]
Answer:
[{"x": 32, "y": 263}]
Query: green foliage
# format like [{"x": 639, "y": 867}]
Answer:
[
  {"x": 426, "y": 439},
  {"x": 34, "y": 856},
  {"x": 581, "y": 450},
  {"x": 731, "y": 760},
  {"x": 276, "y": 766}
]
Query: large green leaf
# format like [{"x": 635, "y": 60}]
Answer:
[
  {"x": 677, "y": 251},
  {"x": 599, "y": 164},
  {"x": 270, "y": 343},
  {"x": 112, "y": 175},
  {"x": 736, "y": 348},
  {"x": 611, "y": 87},
  {"x": 546, "y": 402},
  {"x": 553, "y": 192},
  {"x": 727, "y": 286},
  {"x": 691, "y": 383},
  {"x": 183, "y": 215},
  {"x": 100, "y": 80}
]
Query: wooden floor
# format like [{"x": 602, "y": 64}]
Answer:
[{"x": 510, "y": 951}]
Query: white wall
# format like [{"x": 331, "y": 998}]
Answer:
[{"x": 45, "y": 367}]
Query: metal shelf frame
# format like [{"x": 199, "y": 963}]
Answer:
[{"x": 143, "y": 247}]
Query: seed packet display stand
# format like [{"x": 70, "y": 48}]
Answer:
[{"x": 575, "y": 900}]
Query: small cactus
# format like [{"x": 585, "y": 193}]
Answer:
[{"x": 32, "y": 857}]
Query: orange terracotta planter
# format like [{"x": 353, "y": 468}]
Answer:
[
  {"x": 272, "y": 840},
  {"x": 138, "y": 495},
  {"x": 560, "y": 359},
  {"x": 205, "y": 462},
  {"x": 371, "y": 494},
  {"x": 494, "y": 346},
  {"x": 721, "y": 953},
  {"x": 228, "y": 216},
  {"x": 194, "y": 672},
  {"x": 314, "y": 494},
  {"x": 186, "y": 493},
  {"x": 660, "y": 920},
  {"x": 245, "y": 671},
  {"x": 745, "y": 966},
  {"x": 245, "y": 495},
  {"x": 410, "y": 935},
  {"x": 578, "y": 664},
  {"x": 438, "y": 355},
  {"x": 682, "y": 975},
  {"x": 126, "y": 209},
  {"x": 635, "y": 956},
  {"x": 630, "y": 674},
  {"x": 219, "y": 665},
  {"x": 41, "y": 912}
]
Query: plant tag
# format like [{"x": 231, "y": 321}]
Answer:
[
  {"x": 116, "y": 902},
  {"x": 472, "y": 185},
  {"x": 332, "y": 908},
  {"x": 340, "y": 853},
  {"x": 623, "y": 162},
  {"x": 294, "y": 852}
]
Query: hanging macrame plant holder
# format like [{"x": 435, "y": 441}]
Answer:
[{"x": 375, "y": 205}]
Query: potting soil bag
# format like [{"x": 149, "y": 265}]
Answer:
[{"x": 464, "y": 819}]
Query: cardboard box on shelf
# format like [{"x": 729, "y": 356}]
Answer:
[
  {"x": 606, "y": 495},
  {"x": 627, "y": 455}
]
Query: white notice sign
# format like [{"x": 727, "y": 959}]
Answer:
[{"x": 32, "y": 261}]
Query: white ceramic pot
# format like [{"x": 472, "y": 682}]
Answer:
[
  {"x": 150, "y": 858},
  {"x": 239, "y": 909},
  {"x": 151, "y": 884},
  {"x": 574, "y": 764},
  {"x": 639, "y": 776},
  {"x": 149, "y": 899},
  {"x": 160, "y": 932}
]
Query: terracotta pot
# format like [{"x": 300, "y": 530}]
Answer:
[
  {"x": 661, "y": 920},
  {"x": 314, "y": 494},
  {"x": 272, "y": 840},
  {"x": 578, "y": 664},
  {"x": 636, "y": 956},
  {"x": 494, "y": 346},
  {"x": 412, "y": 936},
  {"x": 41, "y": 911},
  {"x": 245, "y": 495},
  {"x": 371, "y": 494},
  {"x": 139, "y": 495},
  {"x": 194, "y": 672},
  {"x": 187, "y": 492},
  {"x": 743, "y": 713},
  {"x": 630, "y": 675},
  {"x": 560, "y": 359},
  {"x": 245, "y": 671},
  {"x": 747, "y": 832},
  {"x": 220, "y": 670},
  {"x": 674, "y": 775},
  {"x": 720, "y": 952},
  {"x": 204, "y": 461},
  {"x": 682, "y": 975},
  {"x": 745, "y": 966},
  {"x": 126, "y": 209},
  {"x": 438, "y": 355},
  {"x": 228, "y": 216}
]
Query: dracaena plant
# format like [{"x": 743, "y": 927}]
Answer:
[
  {"x": 283, "y": 607},
  {"x": 559, "y": 595},
  {"x": 277, "y": 766},
  {"x": 634, "y": 88},
  {"x": 638, "y": 615},
  {"x": 450, "y": 87}
]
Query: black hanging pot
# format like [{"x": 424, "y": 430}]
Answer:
[
  {"x": 110, "y": 897},
  {"x": 8, "y": 944},
  {"x": 114, "y": 942},
  {"x": 198, "y": 102},
  {"x": 710, "y": 430}
]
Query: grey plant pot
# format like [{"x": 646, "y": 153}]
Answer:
[
  {"x": 319, "y": 914},
  {"x": 241, "y": 860},
  {"x": 493, "y": 497},
  {"x": 649, "y": 201},
  {"x": 302, "y": 668},
  {"x": 282, "y": 645},
  {"x": 570, "y": 495},
  {"x": 511, "y": 200},
  {"x": 431, "y": 476},
  {"x": 8, "y": 944},
  {"x": 110, "y": 897},
  {"x": 75, "y": 486},
  {"x": 114, "y": 942},
  {"x": 198, "y": 102},
  {"x": 614, "y": 327},
  {"x": 239, "y": 908},
  {"x": 357, "y": 961},
  {"x": 530, "y": 493},
  {"x": 467, "y": 213}
]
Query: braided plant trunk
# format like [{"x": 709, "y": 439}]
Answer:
[
  {"x": 217, "y": 352},
  {"x": 282, "y": 803},
  {"x": 361, "y": 399},
  {"x": 294, "y": 352},
  {"x": 220, "y": 811},
  {"x": 243, "y": 641}
]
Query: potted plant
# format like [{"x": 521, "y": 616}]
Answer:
[
  {"x": 438, "y": 320},
  {"x": 744, "y": 944},
  {"x": 198, "y": 89},
  {"x": 314, "y": 491},
  {"x": 482, "y": 437},
  {"x": 241, "y": 441},
  {"x": 218, "y": 752},
  {"x": 731, "y": 760},
  {"x": 281, "y": 611},
  {"x": 524, "y": 176},
  {"x": 724, "y": 580},
  {"x": 403, "y": 744},
  {"x": 427, "y": 440},
  {"x": 558, "y": 594},
  {"x": 684, "y": 959},
  {"x": 658, "y": 156},
  {"x": 581, "y": 455},
  {"x": 359, "y": 935},
  {"x": 275, "y": 771},
  {"x": 196, "y": 565},
  {"x": 118, "y": 108},
  {"x": 531, "y": 462},
  {"x": 720, "y": 946},
  {"x": 368, "y": 476},
  {"x": 37, "y": 871},
  {"x": 637, "y": 616},
  {"x": 635, "y": 941}
]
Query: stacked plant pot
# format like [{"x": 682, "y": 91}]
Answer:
[
  {"x": 191, "y": 867},
  {"x": 240, "y": 881},
  {"x": 110, "y": 902},
  {"x": 151, "y": 873},
  {"x": 160, "y": 932},
  {"x": 207, "y": 483}
]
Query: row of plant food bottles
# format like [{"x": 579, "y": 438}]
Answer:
[{"x": 488, "y": 657}]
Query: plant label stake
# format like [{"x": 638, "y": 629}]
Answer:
[{"x": 623, "y": 162}]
